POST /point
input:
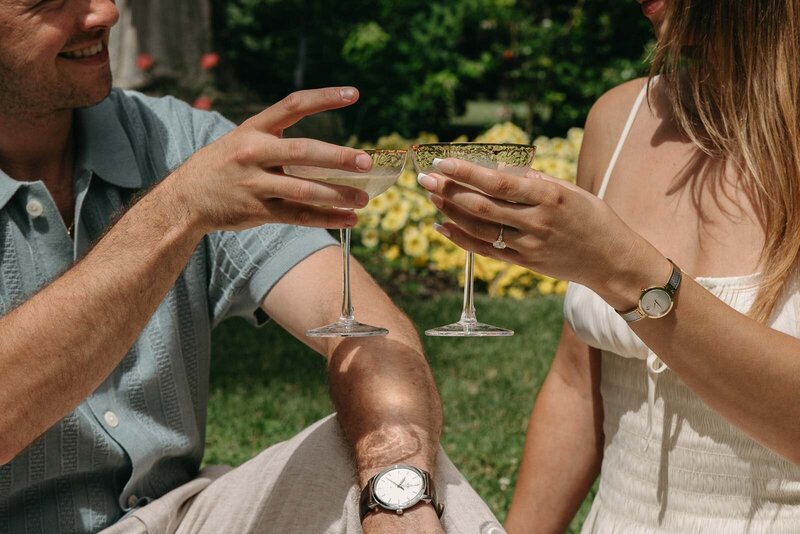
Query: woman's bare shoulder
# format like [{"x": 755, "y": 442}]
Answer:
[
  {"x": 610, "y": 112},
  {"x": 604, "y": 126}
]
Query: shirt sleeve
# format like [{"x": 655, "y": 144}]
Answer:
[{"x": 243, "y": 266}]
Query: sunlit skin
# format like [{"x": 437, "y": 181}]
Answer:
[
  {"x": 388, "y": 407},
  {"x": 658, "y": 205},
  {"x": 40, "y": 85},
  {"x": 36, "y": 75}
]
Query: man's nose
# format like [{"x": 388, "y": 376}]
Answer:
[{"x": 98, "y": 14}]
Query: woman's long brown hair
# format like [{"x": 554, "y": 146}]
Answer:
[{"x": 732, "y": 70}]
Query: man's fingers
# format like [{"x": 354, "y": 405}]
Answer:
[
  {"x": 313, "y": 153},
  {"x": 289, "y": 212},
  {"x": 301, "y": 104},
  {"x": 306, "y": 192}
]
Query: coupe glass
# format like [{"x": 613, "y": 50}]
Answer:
[
  {"x": 509, "y": 158},
  {"x": 386, "y": 168}
]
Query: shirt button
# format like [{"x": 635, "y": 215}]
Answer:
[
  {"x": 34, "y": 208},
  {"x": 111, "y": 419},
  {"x": 133, "y": 500}
]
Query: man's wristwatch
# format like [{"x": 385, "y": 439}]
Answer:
[
  {"x": 396, "y": 489},
  {"x": 656, "y": 301}
]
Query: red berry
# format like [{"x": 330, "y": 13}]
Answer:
[
  {"x": 144, "y": 62},
  {"x": 209, "y": 61},
  {"x": 202, "y": 102}
]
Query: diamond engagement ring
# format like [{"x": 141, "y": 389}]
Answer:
[{"x": 499, "y": 243}]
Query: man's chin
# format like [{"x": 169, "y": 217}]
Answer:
[{"x": 96, "y": 99}]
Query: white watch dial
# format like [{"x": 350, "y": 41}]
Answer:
[
  {"x": 398, "y": 488},
  {"x": 656, "y": 303}
]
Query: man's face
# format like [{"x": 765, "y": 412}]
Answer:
[{"x": 54, "y": 54}]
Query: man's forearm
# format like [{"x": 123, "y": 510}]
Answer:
[
  {"x": 390, "y": 411},
  {"x": 63, "y": 342},
  {"x": 386, "y": 400}
]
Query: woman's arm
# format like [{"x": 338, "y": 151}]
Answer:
[
  {"x": 746, "y": 371},
  {"x": 564, "y": 444}
]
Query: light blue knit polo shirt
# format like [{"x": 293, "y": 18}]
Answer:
[{"x": 142, "y": 432}]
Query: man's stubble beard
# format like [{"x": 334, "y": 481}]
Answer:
[{"x": 33, "y": 99}]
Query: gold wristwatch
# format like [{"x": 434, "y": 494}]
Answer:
[{"x": 656, "y": 301}]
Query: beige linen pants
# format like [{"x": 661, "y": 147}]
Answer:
[{"x": 304, "y": 485}]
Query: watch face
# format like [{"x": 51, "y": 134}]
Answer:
[
  {"x": 398, "y": 488},
  {"x": 656, "y": 303}
]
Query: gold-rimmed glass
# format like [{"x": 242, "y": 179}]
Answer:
[
  {"x": 509, "y": 158},
  {"x": 387, "y": 165}
]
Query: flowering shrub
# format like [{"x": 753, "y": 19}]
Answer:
[{"x": 398, "y": 224}]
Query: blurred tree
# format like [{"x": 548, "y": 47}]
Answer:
[
  {"x": 160, "y": 43},
  {"x": 418, "y": 61}
]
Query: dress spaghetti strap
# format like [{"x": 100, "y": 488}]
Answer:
[{"x": 611, "y": 164}]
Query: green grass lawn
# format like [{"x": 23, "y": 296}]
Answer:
[{"x": 266, "y": 386}]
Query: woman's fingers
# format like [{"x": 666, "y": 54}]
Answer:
[
  {"x": 478, "y": 246},
  {"x": 524, "y": 186},
  {"x": 483, "y": 229},
  {"x": 474, "y": 202}
]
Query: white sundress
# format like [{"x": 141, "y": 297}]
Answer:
[{"x": 671, "y": 463}]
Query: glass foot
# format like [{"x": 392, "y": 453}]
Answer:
[
  {"x": 343, "y": 328},
  {"x": 469, "y": 329}
]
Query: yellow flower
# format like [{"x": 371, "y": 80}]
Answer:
[
  {"x": 507, "y": 132},
  {"x": 461, "y": 139},
  {"x": 370, "y": 238},
  {"x": 561, "y": 287},
  {"x": 392, "y": 253},
  {"x": 546, "y": 286},
  {"x": 392, "y": 196},
  {"x": 368, "y": 219},
  {"x": 397, "y": 216},
  {"x": 516, "y": 293},
  {"x": 378, "y": 204},
  {"x": 549, "y": 166},
  {"x": 543, "y": 149},
  {"x": 427, "y": 137},
  {"x": 415, "y": 244},
  {"x": 393, "y": 140},
  {"x": 575, "y": 136},
  {"x": 408, "y": 179}
]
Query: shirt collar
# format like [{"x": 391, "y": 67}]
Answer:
[
  {"x": 8, "y": 187},
  {"x": 104, "y": 148}
]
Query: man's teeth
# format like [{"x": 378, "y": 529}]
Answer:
[{"x": 86, "y": 52}]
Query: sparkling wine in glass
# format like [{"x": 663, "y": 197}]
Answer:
[
  {"x": 509, "y": 158},
  {"x": 386, "y": 168}
]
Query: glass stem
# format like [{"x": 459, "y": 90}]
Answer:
[
  {"x": 347, "y": 304},
  {"x": 468, "y": 310}
]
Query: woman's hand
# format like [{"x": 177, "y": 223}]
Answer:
[{"x": 551, "y": 226}]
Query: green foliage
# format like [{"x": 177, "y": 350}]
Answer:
[
  {"x": 417, "y": 62},
  {"x": 565, "y": 55}
]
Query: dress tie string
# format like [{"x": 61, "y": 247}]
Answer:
[{"x": 654, "y": 368}]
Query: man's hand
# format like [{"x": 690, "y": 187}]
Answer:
[{"x": 238, "y": 182}]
